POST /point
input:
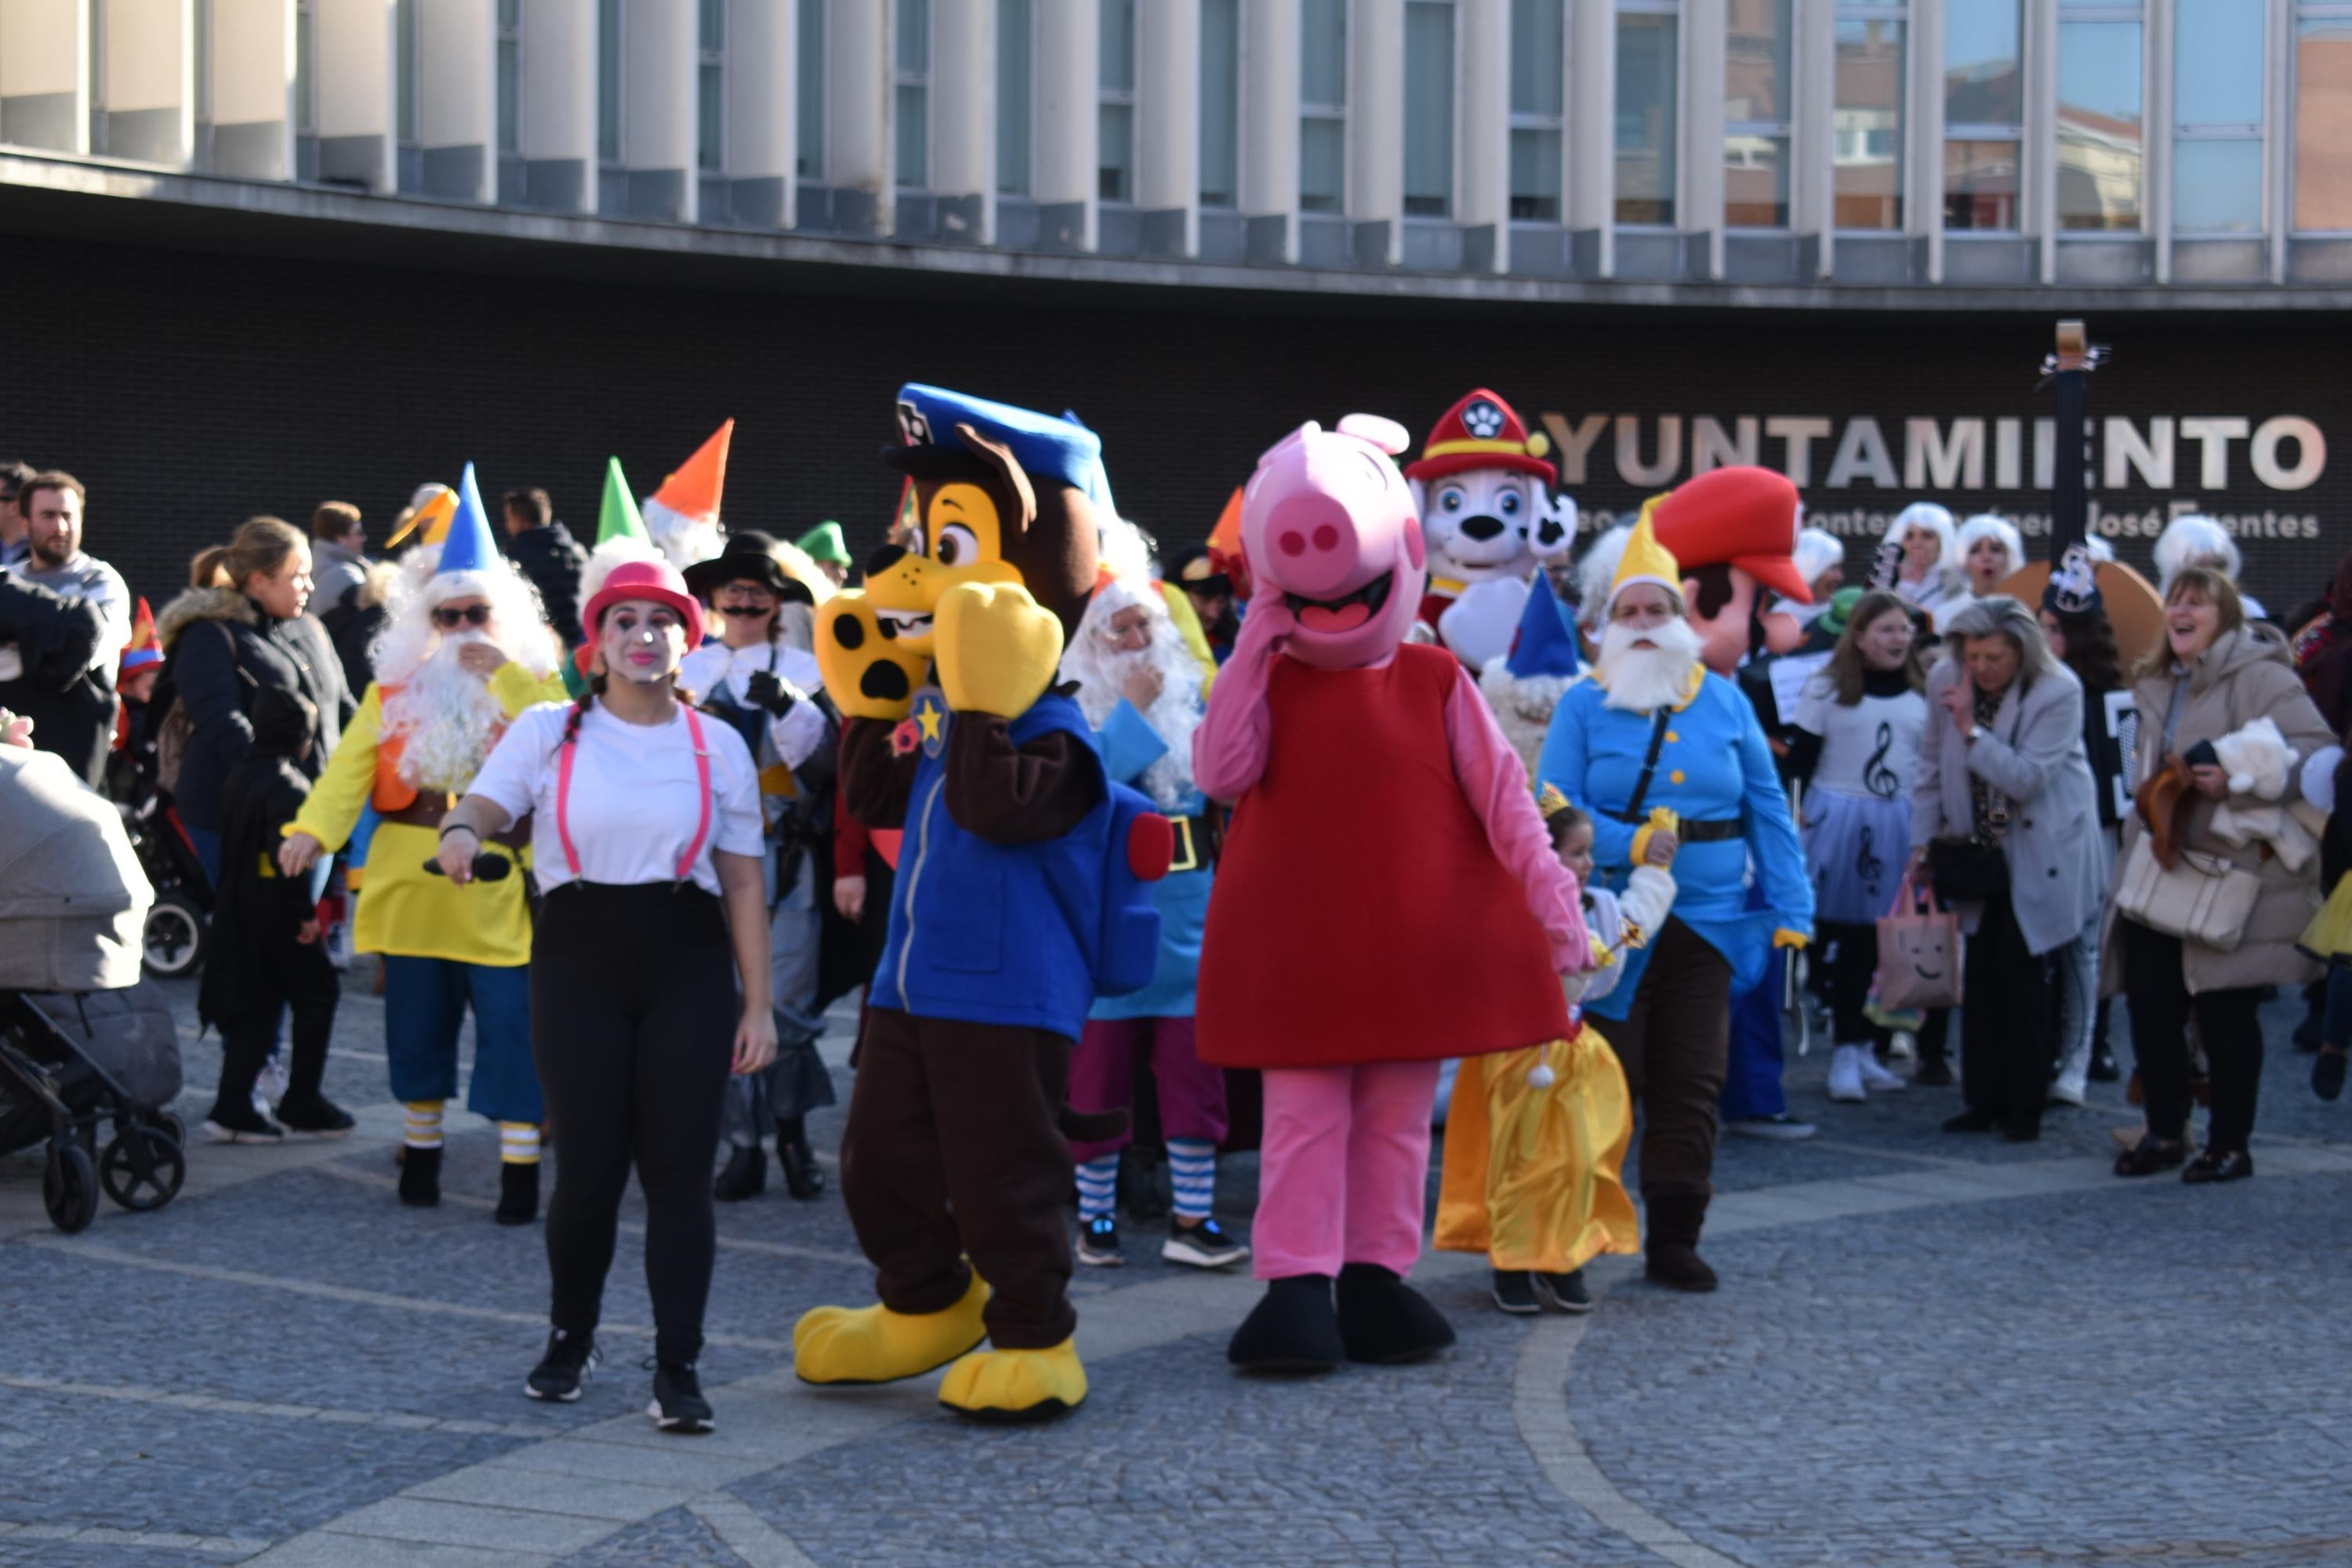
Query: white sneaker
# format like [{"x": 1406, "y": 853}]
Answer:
[
  {"x": 1845, "y": 1076},
  {"x": 1874, "y": 1076},
  {"x": 1903, "y": 1047},
  {"x": 2071, "y": 1088}
]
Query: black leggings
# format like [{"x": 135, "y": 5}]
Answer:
[
  {"x": 2005, "y": 1055},
  {"x": 1851, "y": 971},
  {"x": 632, "y": 1014},
  {"x": 2157, "y": 989}
]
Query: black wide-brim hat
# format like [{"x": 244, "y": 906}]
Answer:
[{"x": 750, "y": 557}]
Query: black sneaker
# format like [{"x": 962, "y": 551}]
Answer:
[
  {"x": 571, "y": 1360},
  {"x": 1515, "y": 1292},
  {"x": 1564, "y": 1292},
  {"x": 677, "y": 1405},
  {"x": 1098, "y": 1242},
  {"x": 1204, "y": 1246},
  {"x": 241, "y": 1123},
  {"x": 317, "y": 1117}
]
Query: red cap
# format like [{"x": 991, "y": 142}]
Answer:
[
  {"x": 1742, "y": 517},
  {"x": 655, "y": 582},
  {"x": 1482, "y": 431}
]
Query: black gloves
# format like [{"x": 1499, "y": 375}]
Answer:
[{"x": 769, "y": 692}]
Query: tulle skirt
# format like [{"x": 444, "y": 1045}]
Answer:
[{"x": 1855, "y": 846}]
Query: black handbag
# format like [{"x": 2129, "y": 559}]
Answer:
[{"x": 1967, "y": 870}]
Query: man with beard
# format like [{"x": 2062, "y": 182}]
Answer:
[
  {"x": 73, "y": 709},
  {"x": 1655, "y": 727},
  {"x": 1139, "y": 688},
  {"x": 464, "y": 652}
]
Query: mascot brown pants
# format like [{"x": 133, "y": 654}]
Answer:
[{"x": 955, "y": 1150}]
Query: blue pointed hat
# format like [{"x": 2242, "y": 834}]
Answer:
[
  {"x": 469, "y": 546},
  {"x": 1547, "y": 643}
]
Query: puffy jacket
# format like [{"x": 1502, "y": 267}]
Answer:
[
  {"x": 70, "y": 705},
  {"x": 551, "y": 559},
  {"x": 222, "y": 653}
]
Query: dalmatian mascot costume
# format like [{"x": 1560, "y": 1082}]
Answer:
[{"x": 1483, "y": 488}]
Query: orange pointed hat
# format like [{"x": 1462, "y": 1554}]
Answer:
[
  {"x": 1743, "y": 516},
  {"x": 694, "y": 490},
  {"x": 1225, "y": 545}
]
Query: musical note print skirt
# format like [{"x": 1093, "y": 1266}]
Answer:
[{"x": 1854, "y": 848}]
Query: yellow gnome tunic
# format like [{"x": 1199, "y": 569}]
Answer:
[{"x": 1536, "y": 1139}]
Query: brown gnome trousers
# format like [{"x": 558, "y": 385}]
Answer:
[
  {"x": 954, "y": 1150},
  {"x": 1672, "y": 1043}
]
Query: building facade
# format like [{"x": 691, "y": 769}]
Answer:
[{"x": 294, "y": 248}]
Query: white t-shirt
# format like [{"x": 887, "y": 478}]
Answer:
[
  {"x": 800, "y": 730},
  {"x": 636, "y": 795},
  {"x": 1871, "y": 749}
]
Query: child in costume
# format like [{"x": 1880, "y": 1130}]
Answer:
[
  {"x": 1536, "y": 1138},
  {"x": 1018, "y": 903},
  {"x": 1360, "y": 765}
]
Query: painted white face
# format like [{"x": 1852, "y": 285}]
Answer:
[{"x": 1491, "y": 522}]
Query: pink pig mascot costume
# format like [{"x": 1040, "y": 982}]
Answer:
[{"x": 1387, "y": 896}]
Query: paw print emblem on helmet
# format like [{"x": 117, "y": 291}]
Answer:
[{"x": 1483, "y": 419}]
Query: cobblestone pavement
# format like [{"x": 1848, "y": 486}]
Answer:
[{"x": 1930, "y": 1352}]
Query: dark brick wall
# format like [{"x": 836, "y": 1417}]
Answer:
[{"x": 191, "y": 390}]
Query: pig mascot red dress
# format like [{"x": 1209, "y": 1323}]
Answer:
[{"x": 1387, "y": 897}]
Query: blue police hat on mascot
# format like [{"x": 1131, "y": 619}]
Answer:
[
  {"x": 468, "y": 545},
  {"x": 1047, "y": 448},
  {"x": 1547, "y": 643}
]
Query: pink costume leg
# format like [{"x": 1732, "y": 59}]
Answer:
[
  {"x": 1102, "y": 1078},
  {"x": 1301, "y": 1226},
  {"x": 1388, "y": 1162}
]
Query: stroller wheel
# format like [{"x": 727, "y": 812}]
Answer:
[
  {"x": 70, "y": 1186},
  {"x": 169, "y": 1123},
  {"x": 172, "y": 944},
  {"x": 142, "y": 1168}
]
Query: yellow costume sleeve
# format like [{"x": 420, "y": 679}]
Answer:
[
  {"x": 1187, "y": 626},
  {"x": 342, "y": 792},
  {"x": 517, "y": 688}
]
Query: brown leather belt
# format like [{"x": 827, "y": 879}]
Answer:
[{"x": 431, "y": 805}]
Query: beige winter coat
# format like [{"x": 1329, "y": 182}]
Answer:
[{"x": 2245, "y": 676}]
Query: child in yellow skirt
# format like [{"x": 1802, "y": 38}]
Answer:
[{"x": 1536, "y": 1139}]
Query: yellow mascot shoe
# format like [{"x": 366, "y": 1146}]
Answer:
[
  {"x": 997, "y": 649},
  {"x": 1016, "y": 1385},
  {"x": 869, "y": 671},
  {"x": 875, "y": 1344}
]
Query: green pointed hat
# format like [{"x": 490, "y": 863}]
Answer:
[
  {"x": 617, "y": 518},
  {"x": 823, "y": 543}
]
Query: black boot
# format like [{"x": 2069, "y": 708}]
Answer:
[
  {"x": 1386, "y": 1321},
  {"x": 1292, "y": 1329},
  {"x": 804, "y": 1178},
  {"x": 420, "y": 1178},
  {"x": 518, "y": 1192},
  {"x": 1672, "y": 1248},
  {"x": 746, "y": 1174}
]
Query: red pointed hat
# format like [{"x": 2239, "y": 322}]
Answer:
[
  {"x": 655, "y": 582},
  {"x": 1743, "y": 516},
  {"x": 1482, "y": 431}
]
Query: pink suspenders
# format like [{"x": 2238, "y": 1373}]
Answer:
[{"x": 702, "y": 775}]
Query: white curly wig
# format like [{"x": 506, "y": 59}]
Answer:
[{"x": 2194, "y": 539}]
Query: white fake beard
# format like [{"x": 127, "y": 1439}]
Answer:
[
  {"x": 1644, "y": 679},
  {"x": 1523, "y": 706},
  {"x": 683, "y": 539},
  {"x": 444, "y": 718},
  {"x": 1173, "y": 717}
]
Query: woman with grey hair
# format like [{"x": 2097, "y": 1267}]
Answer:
[{"x": 2004, "y": 820}]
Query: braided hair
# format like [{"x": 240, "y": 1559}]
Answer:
[{"x": 596, "y": 684}]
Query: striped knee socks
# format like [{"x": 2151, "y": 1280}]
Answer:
[
  {"x": 1192, "y": 1171},
  {"x": 1097, "y": 1186},
  {"x": 423, "y": 1124},
  {"x": 519, "y": 1143}
]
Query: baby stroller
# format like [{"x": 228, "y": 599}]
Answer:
[
  {"x": 177, "y": 921},
  {"x": 83, "y": 1045}
]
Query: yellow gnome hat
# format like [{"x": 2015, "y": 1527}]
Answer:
[{"x": 1645, "y": 560}]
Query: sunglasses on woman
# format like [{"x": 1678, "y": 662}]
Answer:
[{"x": 449, "y": 618}]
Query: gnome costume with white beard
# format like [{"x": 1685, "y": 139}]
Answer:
[
  {"x": 1144, "y": 704},
  {"x": 1655, "y": 729},
  {"x": 465, "y": 650}
]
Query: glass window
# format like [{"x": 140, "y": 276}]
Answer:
[
  {"x": 510, "y": 76},
  {"x": 1429, "y": 108},
  {"x": 710, "y": 89},
  {"x": 1221, "y": 102},
  {"x": 1980, "y": 185},
  {"x": 1538, "y": 65},
  {"x": 204, "y": 60},
  {"x": 913, "y": 105},
  {"x": 1646, "y": 117},
  {"x": 1866, "y": 124},
  {"x": 1756, "y": 113},
  {"x": 808, "y": 65},
  {"x": 2323, "y": 124},
  {"x": 1014, "y": 39},
  {"x": 2217, "y": 186},
  {"x": 2217, "y": 103},
  {"x": 1115, "y": 124},
  {"x": 306, "y": 69},
  {"x": 1982, "y": 80},
  {"x": 608, "y": 79},
  {"x": 2098, "y": 125},
  {"x": 1322, "y": 105},
  {"x": 712, "y": 25}
]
